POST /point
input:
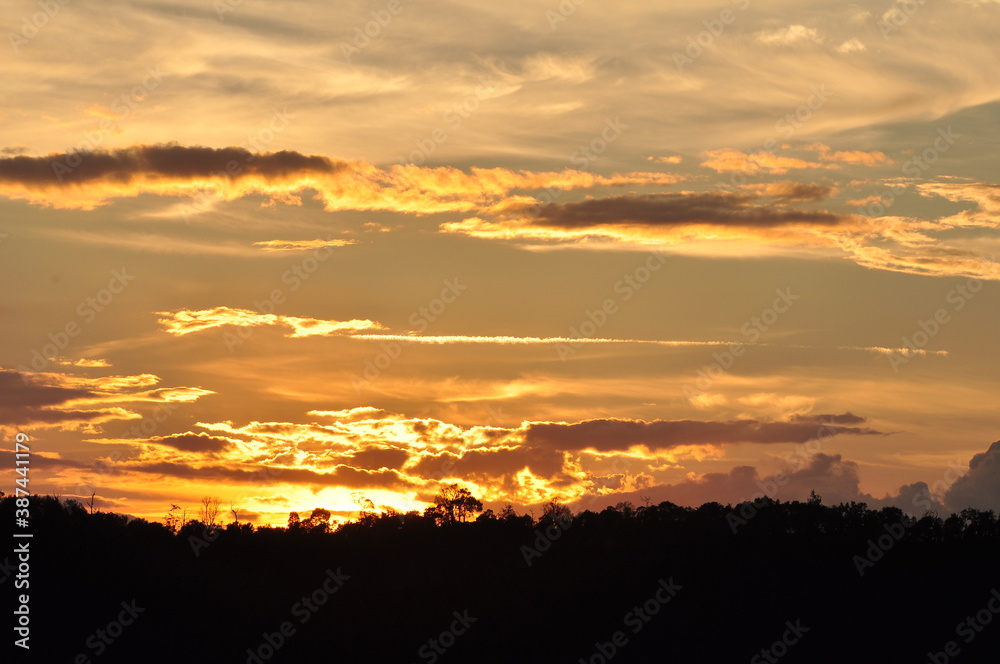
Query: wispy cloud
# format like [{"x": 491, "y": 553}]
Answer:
[
  {"x": 186, "y": 321},
  {"x": 226, "y": 174},
  {"x": 301, "y": 245}
]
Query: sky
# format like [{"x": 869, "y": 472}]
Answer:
[{"x": 298, "y": 255}]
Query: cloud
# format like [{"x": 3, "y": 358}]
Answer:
[
  {"x": 671, "y": 159},
  {"x": 677, "y": 209},
  {"x": 193, "y": 442},
  {"x": 186, "y": 321},
  {"x": 84, "y": 363},
  {"x": 985, "y": 196},
  {"x": 159, "y": 162},
  {"x": 852, "y": 45},
  {"x": 794, "y": 191},
  {"x": 856, "y": 157},
  {"x": 788, "y": 36},
  {"x": 835, "y": 479},
  {"x": 44, "y": 461},
  {"x": 614, "y": 434},
  {"x": 67, "y": 401},
  {"x": 905, "y": 352},
  {"x": 980, "y": 488},
  {"x": 497, "y": 466},
  {"x": 730, "y": 160},
  {"x": 829, "y": 475},
  {"x": 342, "y": 476},
  {"x": 301, "y": 245},
  {"x": 830, "y": 418},
  {"x": 513, "y": 340},
  {"x": 378, "y": 458},
  {"x": 208, "y": 176},
  {"x": 42, "y": 400}
]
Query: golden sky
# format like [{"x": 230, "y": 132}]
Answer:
[{"x": 290, "y": 254}]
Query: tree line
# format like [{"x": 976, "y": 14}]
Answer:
[{"x": 558, "y": 586}]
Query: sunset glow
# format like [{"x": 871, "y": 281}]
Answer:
[{"x": 591, "y": 257}]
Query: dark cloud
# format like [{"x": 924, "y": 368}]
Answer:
[
  {"x": 492, "y": 465},
  {"x": 159, "y": 161},
  {"x": 798, "y": 191},
  {"x": 21, "y": 390},
  {"x": 376, "y": 458},
  {"x": 42, "y": 462},
  {"x": 980, "y": 488},
  {"x": 675, "y": 209},
  {"x": 24, "y": 400},
  {"x": 608, "y": 435},
  {"x": 192, "y": 442},
  {"x": 345, "y": 476},
  {"x": 832, "y": 477},
  {"x": 829, "y": 475},
  {"x": 844, "y": 418}
]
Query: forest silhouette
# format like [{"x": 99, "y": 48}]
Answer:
[{"x": 760, "y": 582}]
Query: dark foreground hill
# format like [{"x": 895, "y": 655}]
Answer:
[{"x": 795, "y": 582}]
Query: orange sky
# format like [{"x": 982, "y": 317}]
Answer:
[{"x": 618, "y": 253}]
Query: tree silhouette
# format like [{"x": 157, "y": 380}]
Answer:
[
  {"x": 562, "y": 516},
  {"x": 209, "y": 510},
  {"x": 318, "y": 521},
  {"x": 787, "y": 559},
  {"x": 454, "y": 504},
  {"x": 236, "y": 513}
]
